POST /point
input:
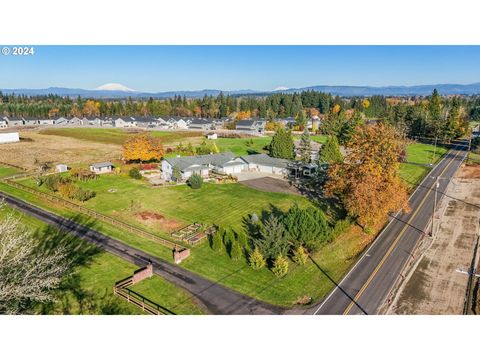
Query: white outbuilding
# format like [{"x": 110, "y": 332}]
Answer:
[{"x": 9, "y": 137}]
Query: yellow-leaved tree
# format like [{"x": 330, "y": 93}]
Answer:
[
  {"x": 367, "y": 182},
  {"x": 142, "y": 147}
]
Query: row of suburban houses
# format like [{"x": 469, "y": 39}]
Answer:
[{"x": 250, "y": 126}]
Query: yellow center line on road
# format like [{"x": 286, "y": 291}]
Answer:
[{"x": 355, "y": 299}]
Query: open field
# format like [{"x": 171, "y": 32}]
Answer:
[
  {"x": 116, "y": 136},
  {"x": 56, "y": 149},
  {"x": 89, "y": 289}
]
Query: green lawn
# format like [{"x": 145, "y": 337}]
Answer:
[
  {"x": 221, "y": 204},
  {"x": 424, "y": 153},
  {"x": 115, "y": 136},
  {"x": 412, "y": 174},
  {"x": 7, "y": 171},
  {"x": 89, "y": 289}
]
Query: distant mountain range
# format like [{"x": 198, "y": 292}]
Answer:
[{"x": 444, "y": 89}]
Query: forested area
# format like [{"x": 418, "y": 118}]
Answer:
[{"x": 432, "y": 116}]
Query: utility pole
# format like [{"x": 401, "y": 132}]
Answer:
[
  {"x": 437, "y": 184},
  {"x": 434, "y": 150}
]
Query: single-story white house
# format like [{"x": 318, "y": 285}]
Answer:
[
  {"x": 46, "y": 121},
  {"x": 60, "y": 168},
  {"x": 226, "y": 163},
  {"x": 266, "y": 164},
  {"x": 101, "y": 168},
  {"x": 6, "y": 138}
]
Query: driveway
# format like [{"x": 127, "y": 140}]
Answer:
[
  {"x": 271, "y": 184},
  {"x": 217, "y": 298}
]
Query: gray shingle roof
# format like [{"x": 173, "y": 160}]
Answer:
[
  {"x": 102, "y": 164},
  {"x": 184, "y": 162},
  {"x": 265, "y": 160}
]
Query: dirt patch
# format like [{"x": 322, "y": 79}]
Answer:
[
  {"x": 469, "y": 172},
  {"x": 56, "y": 149},
  {"x": 434, "y": 286},
  {"x": 271, "y": 185},
  {"x": 153, "y": 219}
]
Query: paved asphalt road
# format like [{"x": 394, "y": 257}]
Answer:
[
  {"x": 364, "y": 289},
  {"x": 216, "y": 298}
]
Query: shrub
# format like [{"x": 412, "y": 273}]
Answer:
[
  {"x": 300, "y": 255},
  {"x": 134, "y": 173},
  {"x": 235, "y": 250},
  {"x": 256, "y": 259},
  {"x": 84, "y": 195},
  {"x": 83, "y": 174},
  {"x": 53, "y": 182},
  {"x": 67, "y": 190},
  {"x": 195, "y": 181},
  {"x": 280, "y": 266},
  {"x": 217, "y": 242}
]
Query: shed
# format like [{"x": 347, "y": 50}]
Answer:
[
  {"x": 212, "y": 136},
  {"x": 101, "y": 168},
  {"x": 9, "y": 137},
  {"x": 60, "y": 168}
]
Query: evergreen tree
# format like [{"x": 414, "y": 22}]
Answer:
[
  {"x": 217, "y": 242},
  {"x": 236, "y": 251},
  {"x": 282, "y": 145},
  {"x": 273, "y": 239},
  {"x": 305, "y": 147},
  {"x": 330, "y": 152},
  {"x": 300, "y": 255},
  {"x": 256, "y": 259},
  {"x": 301, "y": 120},
  {"x": 280, "y": 266}
]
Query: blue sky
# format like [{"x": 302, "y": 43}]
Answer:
[{"x": 163, "y": 68}]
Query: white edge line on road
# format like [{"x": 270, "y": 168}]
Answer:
[{"x": 379, "y": 235}]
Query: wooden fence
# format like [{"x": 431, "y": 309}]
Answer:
[{"x": 110, "y": 220}]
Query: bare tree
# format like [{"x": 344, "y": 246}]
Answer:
[{"x": 28, "y": 274}]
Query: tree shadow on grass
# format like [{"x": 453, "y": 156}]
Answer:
[{"x": 71, "y": 295}]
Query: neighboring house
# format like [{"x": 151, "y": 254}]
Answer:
[
  {"x": 61, "y": 120},
  {"x": 101, "y": 168},
  {"x": 13, "y": 121},
  {"x": 201, "y": 124},
  {"x": 146, "y": 122},
  {"x": 125, "y": 122},
  {"x": 213, "y": 136},
  {"x": 6, "y": 138},
  {"x": 92, "y": 120},
  {"x": 288, "y": 122},
  {"x": 314, "y": 149},
  {"x": 3, "y": 123},
  {"x": 251, "y": 126},
  {"x": 60, "y": 168},
  {"x": 46, "y": 121},
  {"x": 314, "y": 123},
  {"x": 202, "y": 165},
  {"x": 30, "y": 121},
  {"x": 266, "y": 164}
]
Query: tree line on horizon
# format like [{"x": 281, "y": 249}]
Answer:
[{"x": 432, "y": 116}]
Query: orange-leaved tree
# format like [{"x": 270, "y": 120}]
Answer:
[
  {"x": 367, "y": 182},
  {"x": 142, "y": 147}
]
